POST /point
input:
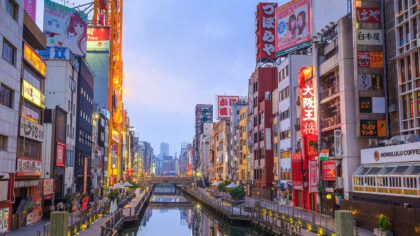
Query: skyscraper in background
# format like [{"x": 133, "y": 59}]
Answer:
[{"x": 164, "y": 149}]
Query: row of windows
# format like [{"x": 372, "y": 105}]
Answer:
[
  {"x": 259, "y": 174},
  {"x": 393, "y": 182},
  {"x": 6, "y": 96},
  {"x": 28, "y": 148},
  {"x": 285, "y": 134},
  {"x": 12, "y": 9},
  {"x": 85, "y": 138},
  {"x": 86, "y": 96},
  {"x": 284, "y": 93},
  {"x": 85, "y": 116},
  {"x": 69, "y": 158},
  {"x": 283, "y": 73},
  {"x": 285, "y": 114}
]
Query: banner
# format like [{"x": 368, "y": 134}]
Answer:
[
  {"x": 293, "y": 26},
  {"x": 370, "y": 59},
  {"x": 30, "y": 8},
  {"x": 28, "y": 167},
  {"x": 31, "y": 130},
  {"x": 48, "y": 187},
  {"x": 329, "y": 171},
  {"x": 60, "y": 157},
  {"x": 98, "y": 38},
  {"x": 369, "y": 37},
  {"x": 313, "y": 176},
  {"x": 65, "y": 27}
]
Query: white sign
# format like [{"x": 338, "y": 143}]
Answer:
[
  {"x": 31, "y": 130},
  {"x": 391, "y": 154},
  {"x": 4, "y": 190},
  {"x": 369, "y": 37},
  {"x": 337, "y": 143}
]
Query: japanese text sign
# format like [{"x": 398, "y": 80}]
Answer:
[
  {"x": 30, "y": 8},
  {"x": 264, "y": 22},
  {"x": 61, "y": 149},
  {"x": 313, "y": 176},
  {"x": 33, "y": 94},
  {"x": 31, "y": 130},
  {"x": 224, "y": 106},
  {"x": 329, "y": 171},
  {"x": 369, "y": 37},
  {"x": 98, "y": 38},
  {"x": 368, "y": 15},
  {"x": 293, "y": 26},
  {"x": 28, "y": 167},
  {"x": 307, "y": 97},
  {"x": 370, "y": 59},
  {"x": 296, "y": 169},
  {"x": 34, "y": 59},
  {"x": 372, "y": 128}
]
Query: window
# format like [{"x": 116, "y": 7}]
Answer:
[
  {"x": 6, "y": 96},
  {"x": 9, "y": 52},
  {"x": 29, "y": 111},
  {"x": 12, "y": 8},
  {"x": 3, "y": 143},
  {"x": 29, "y": 148}
]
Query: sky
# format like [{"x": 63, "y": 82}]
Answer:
[{"x": 181, "y": 53}]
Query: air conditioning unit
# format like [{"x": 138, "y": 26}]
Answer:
[{"x": 339, "y": 183}]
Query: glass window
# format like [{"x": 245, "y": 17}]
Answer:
[
  {"x": 12, "y": 8},
  {"x": 3, "y": 143},
  {"x": 9, "y": 52},
  {"x": 6, "y": 96},
  {"x": 30, "y": 112}
]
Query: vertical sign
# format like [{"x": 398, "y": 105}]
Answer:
[
  {"x": 61, "y": 147},
  {"x": 313, "y": 176},
  {"x": 297, "y": 169},
  {"x": 307, "y": 101},
  {"x": 329, "y": 170},
  {"x": 337, "y": 142},
  {"x": 265, "y": 24},
  {"x": 30, "y": 8}
]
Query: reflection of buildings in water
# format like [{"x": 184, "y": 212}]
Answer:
[
  {"x": 146, "y": 217},
  {"x": 163, "y": 210}
]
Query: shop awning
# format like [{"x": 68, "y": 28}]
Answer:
[{"x": 388, "y": 170}]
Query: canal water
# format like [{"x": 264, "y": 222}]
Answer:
[{"x": 171, "y": 213}]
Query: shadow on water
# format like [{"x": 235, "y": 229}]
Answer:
[{"x": 185, "y": 219}]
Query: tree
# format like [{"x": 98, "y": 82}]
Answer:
[
  {"x": 384, "y": 223},
  {"x": 237, "y": 193},
  {"x": 222, "y": 186}
]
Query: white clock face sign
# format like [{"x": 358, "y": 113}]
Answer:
[{"x": 365, "y": 81}]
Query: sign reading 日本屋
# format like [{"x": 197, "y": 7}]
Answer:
[
  {"x": 31, "y": 130},
  {"x": 293, "y": 26},
  {"x": 265, "y": 24},
  {"x": 28, "y": 167},
  {"x": 98, "y": 38},
  {"x": 329, "y": 170},
  {"x": 224, "y": 106},
  {"x": 65, "y": 27},
  {"x": 369, "y": 37},
  {"x": 370, "y": 59},
  {"x": 372, "y": 15}
]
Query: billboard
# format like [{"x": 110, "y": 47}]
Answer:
[
  {"x": 369, "y": 37},
  {"x": 203, "y": 114},
  {"x": 224, "y": 106},
  {"x": 98, "y": 38},
  {"x": 65, "y": 27},
  {"x": 297, "y": 169},
  {"x": 30, "y": 8},
  {"x": 61, "y": 152},
  {"x": 264, "y": 23},
  {"x": 370, "y": 59},
  {"x": 313, "y": 176},
  {"x": 372, "y": 15},
  {"x": 32, "y": 94},
  {"x": 293, "y": 26},
  {"x": 329, "y": 171}
]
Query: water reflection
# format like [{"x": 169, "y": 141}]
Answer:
[{"x": 188, "y": 219}]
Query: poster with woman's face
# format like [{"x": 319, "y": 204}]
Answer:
[
  {"x": 65, "y": 27},
  {"x": 292, "y": 25}
]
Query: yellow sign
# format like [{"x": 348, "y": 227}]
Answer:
[
  {"x": 35, "y": 60},
  {"x": 32, "y": 94}
]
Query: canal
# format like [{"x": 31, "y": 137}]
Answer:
[{"x": 169, "y": 212}]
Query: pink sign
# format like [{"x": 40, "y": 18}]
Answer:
[{"x": 30, "y": 8}]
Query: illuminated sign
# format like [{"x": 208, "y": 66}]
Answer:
[
  {"x": 60, "y": 157},
  {"x": 308, "y": 119},
  {"x": 296, "y": 169},
  {"x": 115, "y": 136},
  {"x": 329, "y": 171},
  {"x": 32, "y": 94},
  {"x": 98, "y": 38},
  {"x": 365, "y": 104},
  {"x": 265, "y": 30},
  {"x": 28, "y": 167},
  {"x": 372, "y": 128},
  {"x": 35, "y": 60},
  {"x": 370, "y": 59},
  {"x": 313, "y": 176}
]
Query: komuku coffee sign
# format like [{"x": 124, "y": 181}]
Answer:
[{"x": 265, "y": 30}]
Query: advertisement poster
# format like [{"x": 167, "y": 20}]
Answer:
[
  {"x": 313, "y": 176},
  {"x": 293, "y": 26},
  {"x": 224, "y": 106},
  {"x": 48, "y": 186},
  {"x": 296, "y": 169},
  {"x": 329, "y": 171},
  {"x": 4, "y": 219},
  {"x": 372, "y": 128},
  {"x": 33, "y": 94},
  {"x": 264, "y": 23},
  {"x": 98, "y": 38},
  {"x": 370, "y": 59},
  {"x": 365, "y": 104},
  {"x": 28, "y": 167},
  {"x": 61, "y": 149},
  {"x": 65, "y": 27}
]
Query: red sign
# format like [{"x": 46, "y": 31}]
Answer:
[
  {"x": 368, "y": 14},
  {"x": 265, "y": 25},
  {"x": 224, "y": 106},
  {"x": 28, "y": 167},
  {"x": 293, "y": 26},
  {"x": 98, "y": 38},
  {"x": 313, "y": 176},
  {"x": 329, "y": 171},
  {"x": 85, "y": 203},
  {"x": 312, "y": 149},
  {"x": 370, "y": 59},
  {"x": 307, "y": 101},
  {"x": 60, "y": 157},
  {"x": 297, "y": 169}
]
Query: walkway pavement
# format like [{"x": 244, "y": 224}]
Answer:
[
  {"x": 29, "y": 230},
  {"x": 95, "y": 228}
]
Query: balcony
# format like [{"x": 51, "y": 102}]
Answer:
[
  {"x": 330, "y": 122},
  {"x": 329, "y": 92}
]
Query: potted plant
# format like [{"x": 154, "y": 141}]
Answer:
[{"x": 384, "y": 227}]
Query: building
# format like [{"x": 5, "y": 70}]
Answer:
[
  {"x": 164, "y": 149},
  {"x": 168, "y": 166},
  {"x": 284, "y": 122},
  {"x": 99, "y": 150},
  {"x": 146, "y": 154},
  {"x": 84, "y": 115},
  {"x": 264, "y": 82},
  {"x": 28, "y": 182},
  {"x": 11, "y": 34},
  {"x": 220, "y": 151},
  {"x": 183, "y": 158},
  {"x": 235, "y": 141},
  {"x": 244, "y": 157},
  {"x": 203, "y": 114},
  {"x": 203, "y": 151}
]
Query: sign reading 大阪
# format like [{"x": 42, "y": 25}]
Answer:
[
  {"x": 265, "y": 24},
  {"x": 224, "y": 106}
]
